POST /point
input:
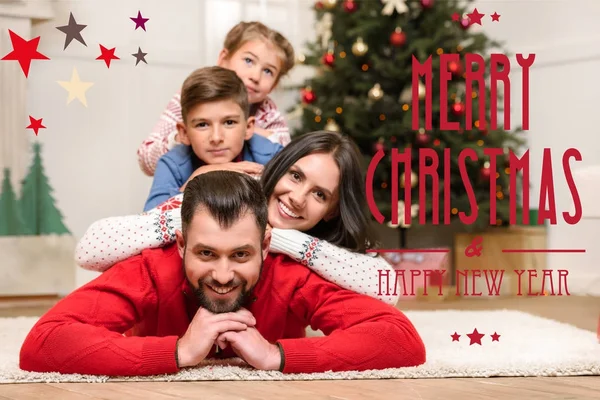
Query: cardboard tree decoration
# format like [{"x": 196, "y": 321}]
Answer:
[
  {"x": 35, "y": 213},
  {"x": 11, "y": 223},
  {"x": 37, "y": 206}
]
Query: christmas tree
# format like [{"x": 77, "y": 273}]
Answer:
[
  {"x": 10, "y": 218},
  {"x": 40, "y": 215},
  {"x": 363, "y": 88}
]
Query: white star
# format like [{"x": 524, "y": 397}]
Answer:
[{"x": 76, "y": 88}]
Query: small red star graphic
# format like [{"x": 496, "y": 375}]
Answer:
[
  {"x": 140, "y": 22},
  {"x": 35, "y": 124},
  {"x": 475, "y": 337},
  {"x": 107, "y": 55},
  {"x": 24, "y": 51},
  {"x": 495, "y": 337},
  {"x": 455, "y": 16},
  {"x": 475, "y": 17},
  {"x": 495, "y": 16},
  {"x": 455, "y": 337}
]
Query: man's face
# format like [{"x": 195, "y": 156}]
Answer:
[
  {"x": 216, "y": 131},
  {"x": 223, "y": 265}
]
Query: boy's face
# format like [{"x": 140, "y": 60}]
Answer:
[
  {"x": 216, "y": 131},
  {"x": 257, "y": 65}
]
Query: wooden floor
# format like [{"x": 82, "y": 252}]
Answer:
[{"x": 578, "y": 311}]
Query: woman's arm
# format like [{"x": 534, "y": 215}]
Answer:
[
  {"x": 115, "y": 239},
  {"x": 353, "y": 271}
]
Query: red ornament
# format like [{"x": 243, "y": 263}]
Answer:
[
  {"x": 329, "y": 59},
  {"x": 485, "y": 173},
  {"x": 319, "y": 5},
  {"x": 465, "y": 23},
  {"x": 308, "y": 96},
  {"x": 455, "y": 68},
  {"x": 423, "y": 139},
  {"x": 350, "y": 6},
  {"x": 427, "y": 3},
  {"x": 397, "y": 38},
  {"x": 458, "y": 108}
]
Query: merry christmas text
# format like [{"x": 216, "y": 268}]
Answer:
[
  {"x": 404, "y": 282},
  {"x": 471, "y": 75},
  {"x": 428, "y": 167}
]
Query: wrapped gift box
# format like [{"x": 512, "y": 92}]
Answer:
[{"x": 417, "y": 272}]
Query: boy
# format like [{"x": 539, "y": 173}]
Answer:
[{"x": 216, "y": 132}]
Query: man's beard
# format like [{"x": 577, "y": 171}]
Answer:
[{"x": 220, "y": 306}]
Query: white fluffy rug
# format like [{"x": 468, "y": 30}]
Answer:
[{"x": 528, "y": 346}]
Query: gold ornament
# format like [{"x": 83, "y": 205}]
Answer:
[
  {"x": 359, "y": 48},
  {"x": 414, "y": 179},
  {"x": 332, "y": 126},
  {"x": 406, "y": 95},
  {"x": 329, "y": 4},
  {"x": 376, "y": 93}
]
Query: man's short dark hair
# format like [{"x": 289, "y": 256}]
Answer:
[{"x": 226, "y": 196}]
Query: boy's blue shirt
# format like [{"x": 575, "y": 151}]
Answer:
[{"x": 176, "y": 166}]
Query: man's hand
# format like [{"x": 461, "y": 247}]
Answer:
[
  {"x": 252, "y": 348},
  {"x": 262, "y": 132},
  {"x": 204, "y": 330},
  {"x": 245, "y": 167}
]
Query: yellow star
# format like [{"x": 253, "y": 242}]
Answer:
[{"x": 76, "y": 88}]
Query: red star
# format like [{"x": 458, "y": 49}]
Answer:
[
  {"x": 107, "y": 55},
  {"x": 24, "y": 51},
  {"x": 475, "y": 337},
  {"x": 35, "y": 124},
  {"x": 455, "y": 337},
  {"x": 475, "y": 17},
  {"x": 455, "y": 16},
  {"x": 495, "y": 337},
  {"x": 495, "y": 16}
]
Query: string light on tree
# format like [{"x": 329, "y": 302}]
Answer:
[
  {"x": 376, "y": 93},
  {"x": 398, "y": 38},
  {"x": 332, "y": 126},
  {"x": 350, "y": 6},
  {"x": 455, "y": 68},
  {"x": 300, "y": 58},
  {"x": 359, "y": 48}
]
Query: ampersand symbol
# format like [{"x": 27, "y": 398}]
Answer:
[{"x": 474, "y": 249}]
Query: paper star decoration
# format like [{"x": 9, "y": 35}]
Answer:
[
  {"x": 495, "y": 337},
  {"x": 391, "y": 5},
  {"x": 76, "y": 88},
  {"x": 35, "y": 124},
  {"x": 455, "y": 337},
  {"x": 139, "y": 56},
  {"x": 73, "y": 31},
  {"x": 495, "y": 17},
  {"x": 24, "y": 51},
  {"x": 475, "y": 337},
  {"x": 140, "y": 22},
  {"x": 475, "y": 17},
  {"x": 107, "y": 55}
]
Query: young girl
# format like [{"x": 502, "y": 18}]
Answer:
[
  {"x": 260, "y": 56},
  {"x": 316, "y": 205}
]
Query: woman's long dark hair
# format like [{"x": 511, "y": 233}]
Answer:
[{"x": 350, "y": 228}]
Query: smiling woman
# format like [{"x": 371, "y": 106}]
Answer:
[{"x": 316, "y": 206}]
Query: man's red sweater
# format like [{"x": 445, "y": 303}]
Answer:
[{"x": 149, "y": 295}]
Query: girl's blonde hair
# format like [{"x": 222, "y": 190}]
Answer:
[{"x": 247, "y": 31}]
